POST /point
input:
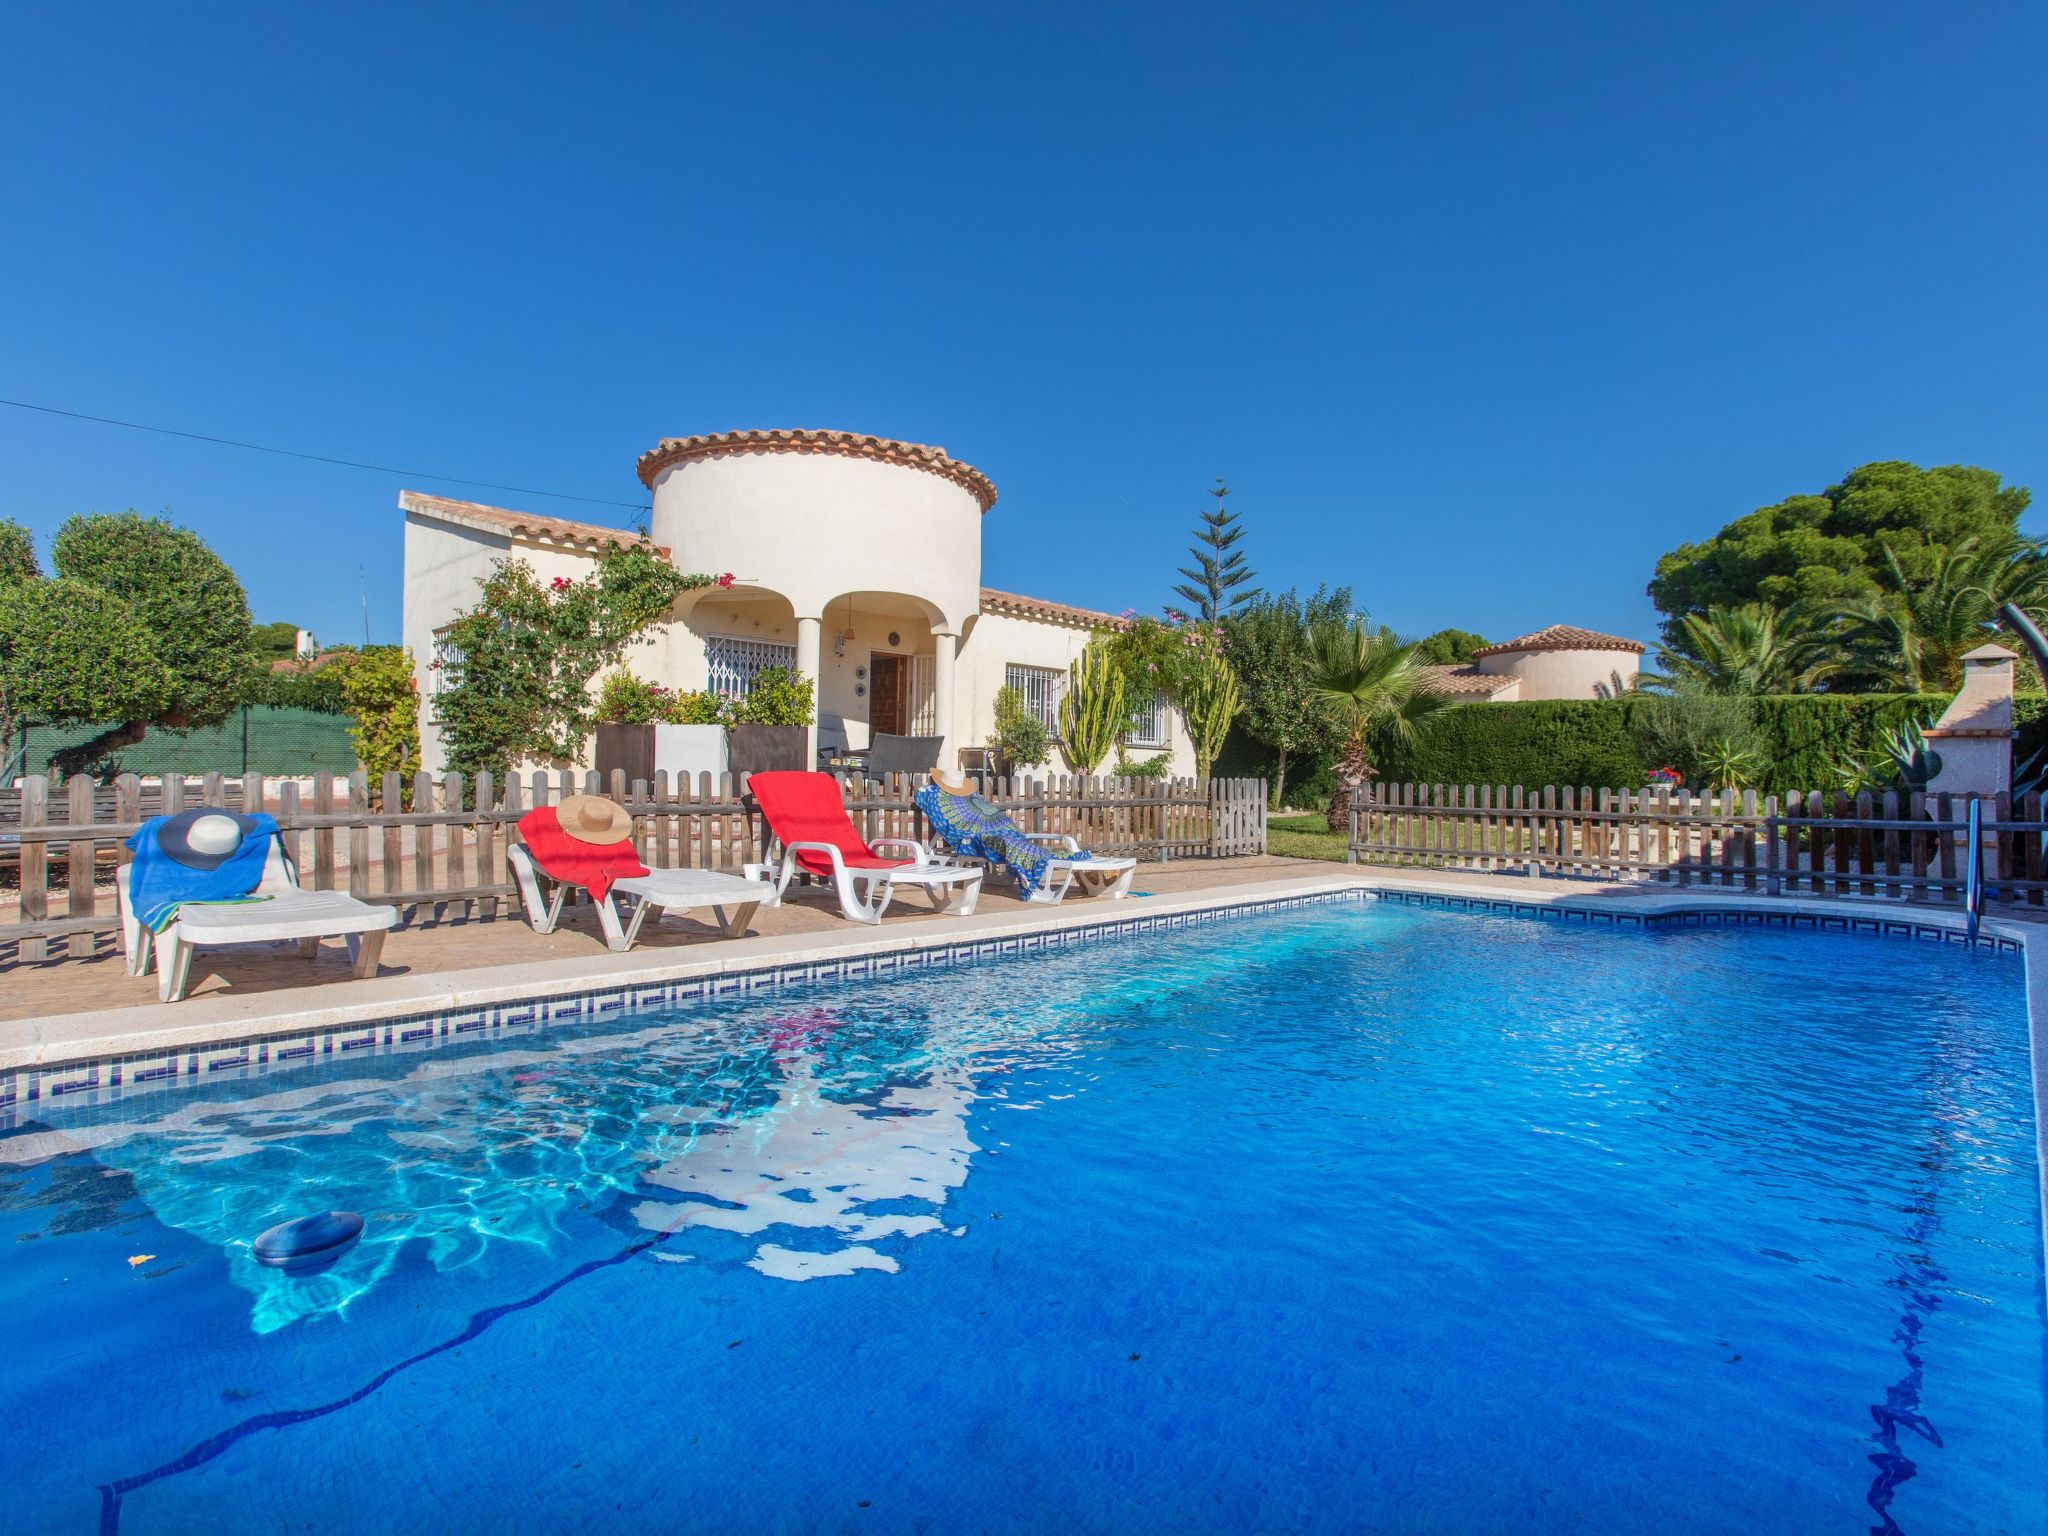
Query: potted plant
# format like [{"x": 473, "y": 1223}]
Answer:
[
  {"x": 644, "y": 728},
  {"x": 771, "y": 726}
]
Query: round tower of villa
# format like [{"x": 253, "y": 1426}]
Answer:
[
  {"x": 816, "y": 516},
  {"x": 1562, "y": 662},
  {"x": 859, "y": 554}
]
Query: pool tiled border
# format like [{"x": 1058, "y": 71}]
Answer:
[{"x": 109, "y": 1078}]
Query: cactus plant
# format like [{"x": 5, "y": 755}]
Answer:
[{"x": 1095, "y": 709}]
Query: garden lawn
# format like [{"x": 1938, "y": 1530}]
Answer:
[{"x": 1304, "y": 837}]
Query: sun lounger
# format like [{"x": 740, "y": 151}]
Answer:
[
  {"x": 284, "y": 913},
  {"x": 807, "y": 816},
  {"x": 731, "y": 898},
  {"x": 972, "y": 827}
]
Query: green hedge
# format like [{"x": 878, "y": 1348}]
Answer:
[
  {"x": 1608, "y": 743},
  {"x": 278, "y": 742}
]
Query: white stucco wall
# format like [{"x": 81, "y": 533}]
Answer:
[
  {"x": 994, "y": 641},
  {"x": 1561, "y": 674},
  {"x": 814, "y": 526}
]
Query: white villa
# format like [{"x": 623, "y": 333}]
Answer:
[
  {"x": 857, "y": 562},
  {"x": 1559, "y": 661}
]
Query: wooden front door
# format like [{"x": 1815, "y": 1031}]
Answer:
[{"x": 888, "y": 686}]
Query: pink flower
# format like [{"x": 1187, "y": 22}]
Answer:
[
  {"x": 726, "y": 580},
  {"x": 560, "y": 584}
]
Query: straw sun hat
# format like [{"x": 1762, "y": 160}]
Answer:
[
  {"x": 953, "y": 783},
  {"x": 593, "y": 819}
]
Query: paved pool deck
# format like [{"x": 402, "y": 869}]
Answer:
[{"x": 86, "y": 1009}]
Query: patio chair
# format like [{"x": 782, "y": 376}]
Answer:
[
  {"x": 284, "y": 912},
  {"x": 807, "y": 816},
  {"x": 972, "y": 827},
  {"x": 731, "y": 898},
  {"x": 903, "y": 754}
]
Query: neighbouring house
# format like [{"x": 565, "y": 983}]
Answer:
[
  {"x": 1559, "y": 662},
  {"x": 856, "y": 562}
]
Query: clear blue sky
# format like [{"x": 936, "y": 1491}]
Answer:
[{"x": 1478, "y": 307}]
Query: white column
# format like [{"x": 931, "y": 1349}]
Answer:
[
  {"x": 807, "y": 632},
  {"x": 944, "y": 649}
]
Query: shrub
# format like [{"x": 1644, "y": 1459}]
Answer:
[
  {"x": 1020, "y": 739},
  {"x": 779, "y": 697},
  {"x": 623, "y": 699},
  {"x": 1145, "y": 768},
  {"x": 1802, "y": 739},
  {"x": 380, "y": 693}
]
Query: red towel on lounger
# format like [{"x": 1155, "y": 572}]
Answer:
[
  {"x": 571, "y": 861},
  {"x": 808, "y": 808}
]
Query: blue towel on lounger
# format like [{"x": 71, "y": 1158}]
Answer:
[
  {"x": 971, "y": 825},
  {"x": 158, "y": 884}
]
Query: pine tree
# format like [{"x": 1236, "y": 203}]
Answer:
[{"x": 1219, "y": 582}]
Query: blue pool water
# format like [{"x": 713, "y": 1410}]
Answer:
[{"x": 1364, "y": 1217}]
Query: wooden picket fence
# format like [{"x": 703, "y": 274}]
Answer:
[
  {"x": 1910, "y": 847},
  {"x": 436, "y": 847}
]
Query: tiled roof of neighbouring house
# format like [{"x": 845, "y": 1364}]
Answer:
[
  {"x": 854, "y": 445},
  {"x": 1018, "y": 607},
  {"x": 1466, "y": 682},
  {"x": 526, "y": 525},
  {"x": 1563, "y": 637}
]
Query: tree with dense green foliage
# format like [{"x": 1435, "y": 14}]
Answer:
[
  {"x": 17, "y": 554},
  {"x": 1829, "y": 551},
  {"x": 1450, "y": 647},
  {"x": 142, "y": 625},
  {"x": 1218, "y": 582},
  {"x": 1267, "y": 643},
  {"x": 381, "y": 696},
  {"x": 525, "y": 655},
  {"x": 1374, "y": 686},
  {"x": 274, "y": 642},
  {"x": 1096, "y": 710}
]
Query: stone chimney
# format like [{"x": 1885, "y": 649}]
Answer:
[{"x": 1974, "y": 734}]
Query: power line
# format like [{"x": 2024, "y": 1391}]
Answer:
[{"x": 318, "y": 458}]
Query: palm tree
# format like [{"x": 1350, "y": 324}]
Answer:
[
  {"x": 1913, "y": 637},
  {"x": 1749, "y": 649},
  {"x": 1375, "y": 687}
]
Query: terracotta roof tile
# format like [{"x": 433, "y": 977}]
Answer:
[
  {"x": 526, "y": 525},
  {"x": 1466, "y": 682},
  {"x": 1563, "y": 637},
  {"x": 857, "y": 445},
  {"x": 1019, "y": 607}
]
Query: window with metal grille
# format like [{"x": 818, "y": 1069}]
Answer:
[
  {"x": 446, "y": 670},
  {"x": 1148, "y": 725},
  {"x": 1041, "y": 688},
  {"x": 734, "y": 663}
]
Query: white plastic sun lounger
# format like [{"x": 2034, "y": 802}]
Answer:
[
  {"x": 865, "y": 893},
  {"x": 286, "y": 913},
  {"x": 1106, "y": 875},
  {"x": 731, "y": 898}
]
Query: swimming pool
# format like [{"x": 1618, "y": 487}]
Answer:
[{"x": 1360, "y": 1216}]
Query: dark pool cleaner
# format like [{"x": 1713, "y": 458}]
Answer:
[{"x": 310, "y": 1244}]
